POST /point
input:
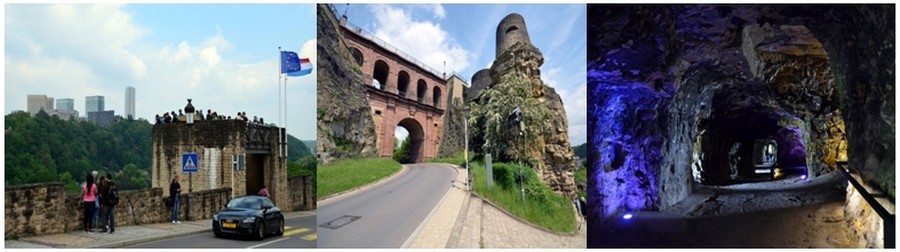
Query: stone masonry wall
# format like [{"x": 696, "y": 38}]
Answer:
[
  {"x": 301, "y": 194},
  {"x": 44, "y": 209}
]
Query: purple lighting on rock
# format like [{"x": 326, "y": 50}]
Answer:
[{"x": 627, "y": 216}]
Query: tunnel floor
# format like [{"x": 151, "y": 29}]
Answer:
[{"x": 787, "y": 213}]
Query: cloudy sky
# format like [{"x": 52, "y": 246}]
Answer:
[
  {"x": 464, "y": 37},
  {"x": 225, "y": 57}
]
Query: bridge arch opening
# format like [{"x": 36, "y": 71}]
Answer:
[
  {"x": 381, "y": 74},
  {"x": 421, "y": 89},
  {"x": 402, "y": 83},
  {"x": 409, "y": 137}
]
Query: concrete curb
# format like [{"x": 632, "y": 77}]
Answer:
[{"x": 127, "y": 243}]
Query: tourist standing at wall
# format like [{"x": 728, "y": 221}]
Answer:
[
  {"x": 89, "y": 192},
  {"x": 174, "y": 191},
  {"x": 110, "y": 198}
]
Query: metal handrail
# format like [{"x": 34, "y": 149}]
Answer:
[{"x": 887, "y": 217}]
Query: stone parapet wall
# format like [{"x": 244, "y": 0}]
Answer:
[
  {"x": 45, "y": 208},
  {"x": 302, "y": 197}
]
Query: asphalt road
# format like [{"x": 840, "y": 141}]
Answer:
[
  {"x": 298, "y": 233},
  {"x": 386, "y": 215}
]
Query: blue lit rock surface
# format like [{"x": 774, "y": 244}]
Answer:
[{"x": 672, "y": 88}]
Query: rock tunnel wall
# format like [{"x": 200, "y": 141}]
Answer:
[{"x": 693, "y": 73}]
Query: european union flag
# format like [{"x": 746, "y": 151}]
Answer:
[{"x": 290, "y": 62}]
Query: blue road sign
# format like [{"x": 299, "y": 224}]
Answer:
[{"x": 189, "y": 162}]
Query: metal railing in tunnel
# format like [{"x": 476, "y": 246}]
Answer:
[{"x": 886, "y": 217}]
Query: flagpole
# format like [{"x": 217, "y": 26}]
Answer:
[
  {"x": 280, "y": 74},
  {"x": 285, "y": 118}
]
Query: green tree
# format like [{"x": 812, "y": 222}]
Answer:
[
  {"x": 401, "y": 151},
  {"x": 500, "y": 138}
]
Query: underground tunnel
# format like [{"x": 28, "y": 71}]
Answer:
[{"x": 732, "y": 126}]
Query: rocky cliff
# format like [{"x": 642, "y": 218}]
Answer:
[
  {"x": 544, "y": 141},
  {"x": 344, "y": 121}
]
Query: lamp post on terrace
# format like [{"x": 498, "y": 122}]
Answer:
[
  {"x": 466, "y": 112},
  {"x": 189, "y": 112}
]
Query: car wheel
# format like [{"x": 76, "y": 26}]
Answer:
[
  {"x": 280, "y": 228},
  {"x": 261, "y": 230},
  {"x": 218, "y": 234}
]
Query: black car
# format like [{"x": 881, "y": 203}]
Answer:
[{"x": 249, "y": 215}]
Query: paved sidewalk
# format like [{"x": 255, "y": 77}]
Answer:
[
  {"x": 436, "y": 230},
  {"x": 125, "y": 235},
  {"x": 462, "y": 220}
]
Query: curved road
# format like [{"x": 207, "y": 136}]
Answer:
[{"x": 386, "y": 215}]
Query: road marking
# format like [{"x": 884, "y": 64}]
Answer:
[
  {"x": 297, "y": 231},
  {"x": 310, "y": 237},
  {"x": 267, "y": 243}
]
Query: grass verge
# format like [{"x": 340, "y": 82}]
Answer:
[
  {"x": 456, "y": 159},
  {"x": 343, "y": 175},
  {"x": 541, "y": 207}
]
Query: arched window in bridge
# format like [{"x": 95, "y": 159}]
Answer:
[
  {"x": 421, "y": 89},
  {"x": 402, "y": 83},
  {"x": 381, "y": 73}
]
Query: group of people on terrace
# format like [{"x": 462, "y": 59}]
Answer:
[{"x": 180, "y": 117}]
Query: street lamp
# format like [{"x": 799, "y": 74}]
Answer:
[
  {"x": 466, "y": 111},
  {"x": 189, "y": 111}
]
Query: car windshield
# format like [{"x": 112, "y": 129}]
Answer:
[{"x": 246, "y": 202}]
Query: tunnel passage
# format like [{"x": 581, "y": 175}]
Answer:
[
  {"x": 750, "y": 145},
  {"x": 416, "y": 151}
]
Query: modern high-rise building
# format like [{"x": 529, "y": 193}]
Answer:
[
  {"x": 129, "y": 102},
  {"x": 65, "y": 104},
  {"x": 94, "y": 104},
  {"x": 37, "y": 103}
]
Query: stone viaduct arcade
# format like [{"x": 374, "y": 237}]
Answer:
[{"x": 402, "y": 92}]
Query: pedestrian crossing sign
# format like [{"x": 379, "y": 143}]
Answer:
[{"x": 189, "y": 162}]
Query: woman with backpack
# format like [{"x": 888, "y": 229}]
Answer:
[{"x": 89, "y": 196}]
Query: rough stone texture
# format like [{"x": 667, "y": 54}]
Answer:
[
  {"x": 453, "y": 138},
  {"x": 44, "y": 209},
  {"x": 510, "y": 31},
  {"x": 480, "y": 81},
  {"x": 865, "y": 226},
  {"x": 549, "y": 152},
  {"x": 216, "y": 143},
  {"x": 301, "y": 193},
  {"x": 344, "y": 123},
  {"x": 671, "y": 88}
]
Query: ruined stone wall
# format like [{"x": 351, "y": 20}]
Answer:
[
  {"x": 302, "y": 197},
  {"x": 44, "y": 209},
  {"x": 550, "y": 152}
]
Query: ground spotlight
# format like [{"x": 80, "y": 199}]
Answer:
[{"x": 627, "y": 216}]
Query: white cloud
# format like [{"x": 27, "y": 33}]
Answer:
[
  {"x": 81, "y": 50},
  {"x": 424, "y": 40}
]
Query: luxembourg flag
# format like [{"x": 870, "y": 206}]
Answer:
[{"x": 306, "y": 67}]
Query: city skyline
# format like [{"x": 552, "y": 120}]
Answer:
[{"x": 170, "y": 52}]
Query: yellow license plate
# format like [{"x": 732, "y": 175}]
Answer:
[{"x": 229, "y": 225}]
